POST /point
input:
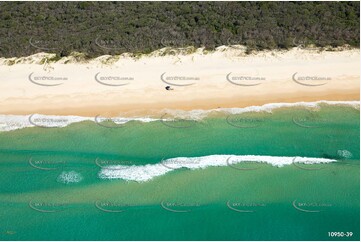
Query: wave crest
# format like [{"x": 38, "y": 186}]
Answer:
[{"x": 145, "y": 173}]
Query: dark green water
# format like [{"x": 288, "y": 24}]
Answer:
[{"x": 302, "y": 202}]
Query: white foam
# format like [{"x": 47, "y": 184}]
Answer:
[
  {"x": 145, "y": 173},
  {"x": 67, "y": 177},
  {"x": 344, "y": 154},
  {"x": 13, "y": 122},
  {"x": 199, "y": 114},
  {"x": 121, "y": 120}
]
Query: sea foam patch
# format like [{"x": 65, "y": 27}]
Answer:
[
  {"x": 68, "y": 177},
  {"x": 145, "y": 173}
]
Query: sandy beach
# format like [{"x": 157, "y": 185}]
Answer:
[{"x": 225, "y": 78}]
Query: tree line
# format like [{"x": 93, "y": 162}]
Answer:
[{"x": 98, "y": 28}]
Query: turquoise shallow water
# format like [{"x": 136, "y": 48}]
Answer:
[{"x": 302, "y": 202}]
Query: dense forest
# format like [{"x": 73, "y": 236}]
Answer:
[{"x": 98, "y": 28}]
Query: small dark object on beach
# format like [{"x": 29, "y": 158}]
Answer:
[{"x": 168, "y": 88}]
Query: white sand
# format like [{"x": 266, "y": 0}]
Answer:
[{"x": 82, "y": 95}]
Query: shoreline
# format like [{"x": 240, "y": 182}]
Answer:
[
  {"x": 128, "y": 112},
  {"x": 225, "y": 78},
  {"x": 15, "y": 122}
]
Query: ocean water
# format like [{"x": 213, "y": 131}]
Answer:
[{"x": 290, "y": 173}]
